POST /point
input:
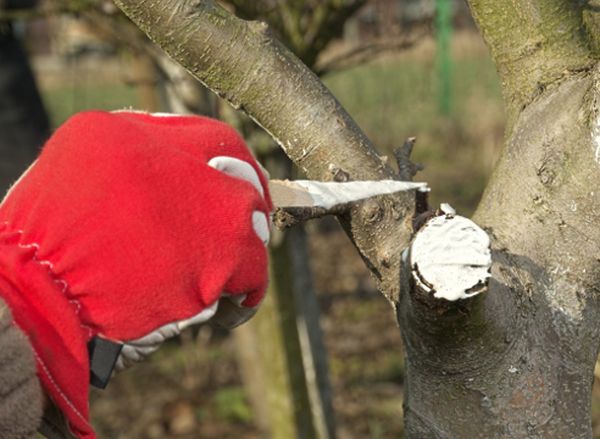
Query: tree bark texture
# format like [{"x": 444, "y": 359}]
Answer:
[
  {"x": 534, "y": 43},
  {"x": 519, "y": 364},
  {"x": 516, "y": 361}
]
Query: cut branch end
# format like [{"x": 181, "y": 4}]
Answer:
[{"x": 450, "y": 258}]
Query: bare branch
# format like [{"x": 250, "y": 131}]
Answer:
[
  {"x": 241, "y": 62},
  {"x": 328, "y": 24},
  {"x": 306, "y": 28},
  {"x": 365, "y": 53}
]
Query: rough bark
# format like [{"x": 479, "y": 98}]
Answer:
[
  {"x": 534, "y": 44},
  {"x": 242, "y": 63},
  {"x": 520, "y": 362}
]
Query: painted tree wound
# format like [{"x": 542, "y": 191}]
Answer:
[{"x": 450, "y": 258}]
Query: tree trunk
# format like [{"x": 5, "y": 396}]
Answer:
[
  {"x": 525, "y": 370},
  {"x": 514, "y": 356}
]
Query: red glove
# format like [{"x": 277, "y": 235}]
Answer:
[{"x": 123, "y": 230}]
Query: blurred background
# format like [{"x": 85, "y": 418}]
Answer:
[{"x": 323, "y": 358}]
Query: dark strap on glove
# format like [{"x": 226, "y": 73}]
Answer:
[
  {"x": 103, "y": 357},
  {"x": 21, "y": 397}
]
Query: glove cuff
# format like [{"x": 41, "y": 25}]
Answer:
[
  {"x": 21, "y": 401},
  {"x": 44, "y": 310}
]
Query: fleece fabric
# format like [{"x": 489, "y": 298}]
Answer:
[
  {"x": 119, "y": 228},
  {"x": 20, "y": 392}
]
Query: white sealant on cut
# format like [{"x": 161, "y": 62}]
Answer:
[
  {"x": 447, "y": 209},
  {"x": 451, "y": 257},
  {"x": 330, "y": 194}
]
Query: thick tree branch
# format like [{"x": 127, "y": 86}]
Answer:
[
  {"x": 305, "y": 27},
  {"x": 242, "y": 63},
  {"x": 534, "y": 43}
]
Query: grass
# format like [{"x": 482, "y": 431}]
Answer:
[
  {"x": 393, "y": 99},
  {"x": 231, "y": 405}
]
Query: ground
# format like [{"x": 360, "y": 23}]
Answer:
[{"x": 191, "y": 388}]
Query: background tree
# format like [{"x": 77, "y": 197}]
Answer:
[{"x": 24, "y": 124}]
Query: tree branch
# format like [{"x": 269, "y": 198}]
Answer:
[
  {"x": 305, "y": 27},
  {"x": 329, "y": 24},
  {"x": 289, "y": 17},
  {"x": 365, "y": 53},
  {"x": 242, "y": 63},
  {"x": 533, "y": 43}
]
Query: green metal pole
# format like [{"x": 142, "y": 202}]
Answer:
[{"x": 444, "y": 57}]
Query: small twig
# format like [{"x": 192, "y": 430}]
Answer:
[
  {"x": 406, "y": 168},
  {"x": 365, "y": 53},
  {"x": 422, "y": 211}
]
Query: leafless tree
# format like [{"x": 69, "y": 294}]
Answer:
[{"x": 514, "y": 356}]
